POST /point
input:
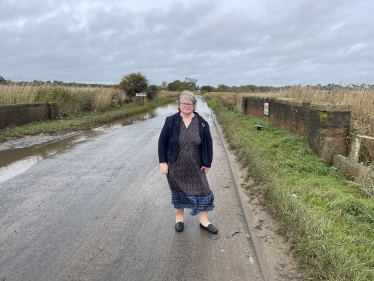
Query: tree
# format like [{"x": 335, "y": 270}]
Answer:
[
  {"x": 330, "y": 87},
  {"x": 252, "y": 88},
  {"x": 235, "y": 89},
  {"x": 223, "y": 88},
  {"x": 2, "y": 80},
  {"x": 207, "y": 88},
  {"x": 133, "y": 83},
  {"x": 37, "y": 83},
  {"x": 151, "y": 92},
  {"x": 192, "y": 83},
  {"x": 164, "y": 85},
  {"x": 177, "y": 85}
]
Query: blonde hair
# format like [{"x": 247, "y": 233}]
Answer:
[{"x": 189, "y": 96}]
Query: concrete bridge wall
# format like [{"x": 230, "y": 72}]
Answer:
[
  {"x": 20, "y": 114},
  {"x": 326, "y": 124}
]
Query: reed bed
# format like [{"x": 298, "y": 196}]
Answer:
[
  {"x": 235, "y": 100},
  {"x": 361, "y": 99},
  {"x": 168, "y": 94},
  {"x": 72, "y": 100}
]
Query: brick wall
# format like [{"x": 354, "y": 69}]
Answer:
[
  {"x": 326, "y": 124},
  {"x": 20, "y": 114}
]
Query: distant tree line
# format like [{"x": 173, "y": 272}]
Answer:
[
  {"x": 137, "y": 82},
  {"x": 241, "y": 89},
  {"x": 59, "y": 83},
  {"x": 329, "y": 87},
  {"x": 265, "y": 89}
]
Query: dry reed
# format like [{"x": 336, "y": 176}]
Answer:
[
  {"x": 235, "y": 100},
  {"x": 168, "y": 94},
  {"x": 70, "y": 99}
]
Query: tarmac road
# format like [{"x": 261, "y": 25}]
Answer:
[{"x": 101, "y": 211}]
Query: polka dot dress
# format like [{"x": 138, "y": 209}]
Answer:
[{"x": 188, "y": 183}]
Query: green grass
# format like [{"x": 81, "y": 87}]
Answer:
[
  {"x": 330, "y": 223},
  {"x": 84, "y": 121}
]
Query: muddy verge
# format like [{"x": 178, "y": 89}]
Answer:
[
  {"x": 275, "y": 250},
  {"x": 27, "y": 141}
]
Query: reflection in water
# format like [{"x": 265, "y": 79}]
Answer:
[
  {"x": 18, "y": 167},
  {"x": 16, "y": 161}
]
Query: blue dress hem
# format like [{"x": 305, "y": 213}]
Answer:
[{"x": 197, "y": 203}]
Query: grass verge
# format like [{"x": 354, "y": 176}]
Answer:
[
  {"x": 84, "y": 121},
  {"x": 329, "y": 222}
]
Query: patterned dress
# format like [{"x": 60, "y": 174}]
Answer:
[{"x": 188, "y": 183}]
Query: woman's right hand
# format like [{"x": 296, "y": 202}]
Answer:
[{"x": 164, "y": 168}]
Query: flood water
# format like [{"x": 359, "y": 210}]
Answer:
[{"x": 15, "y": 161}]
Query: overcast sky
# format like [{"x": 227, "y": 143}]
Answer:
[{"x": 236, "y": 42}]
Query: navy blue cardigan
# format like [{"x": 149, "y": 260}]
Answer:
[{"x": 169, "y": 137}]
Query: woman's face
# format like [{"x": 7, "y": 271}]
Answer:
[{"x": 186, "y": 109}]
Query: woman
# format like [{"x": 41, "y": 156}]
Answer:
[{"x": 185, "y": 151}]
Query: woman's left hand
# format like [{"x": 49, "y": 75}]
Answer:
[{"x": 206, "y": 170}]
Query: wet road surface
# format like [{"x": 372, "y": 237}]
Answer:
[
  {"x": 101, "y": 210},
  {"x": 25, "y": 153}
]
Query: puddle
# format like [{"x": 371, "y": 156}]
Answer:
[
  {"x": 26, "y": 153},
  {"x": 17, "y": 160}
]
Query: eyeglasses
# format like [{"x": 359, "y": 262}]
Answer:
[{"x": 186, "y": 104}]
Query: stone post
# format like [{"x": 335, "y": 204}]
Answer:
[{"x": 355, "y": 142}]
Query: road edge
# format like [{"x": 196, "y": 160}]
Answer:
[{"x": 248, "y": 218}]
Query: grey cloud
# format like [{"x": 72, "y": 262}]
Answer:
[
  {"x": 292, "y": 42},
  {"x": 11, "y": 11}
]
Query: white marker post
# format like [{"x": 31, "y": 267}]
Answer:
[{"x": 141, "y": 95}]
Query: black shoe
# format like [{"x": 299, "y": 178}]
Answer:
[
  {"x": 179, "y": 226},
  {"x": 211, "y": 228}
]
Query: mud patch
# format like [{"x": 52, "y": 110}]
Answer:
[
  {"x": 275, "y": 249},
  {"x": 28, "y": 141}
]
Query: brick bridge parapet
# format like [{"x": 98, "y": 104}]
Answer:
[
  {"x": 325, "y": 124},
  {"x": 19, "y": 114}
]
